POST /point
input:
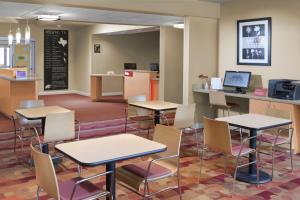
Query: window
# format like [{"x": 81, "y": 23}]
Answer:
[
  {"x": 17, "y": 55},
  {"x": 4, "y": 56}
]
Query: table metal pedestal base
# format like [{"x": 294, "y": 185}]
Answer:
[{"x": 244, "y": 176}]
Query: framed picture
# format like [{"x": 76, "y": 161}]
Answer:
[
  {"x": 97, "y": 48},
  {"x": 254, "y": 41}
]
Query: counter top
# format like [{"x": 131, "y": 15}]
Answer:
[
  {"x": 248, "y": 95},
  {"x": 119, "y": 75},
  {"x": 33, "y": 78}
]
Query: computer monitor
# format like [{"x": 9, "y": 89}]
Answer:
[
  {"x": 238, "y": 79},
  {"x": 129, "y": 65},
  {"x": 154, "y": 67}
]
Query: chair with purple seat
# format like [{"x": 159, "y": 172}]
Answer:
[
  {"x": 159, "y": 166},
  {"x": 278, "y": 137},
  {"x": 76, "y": 188}
]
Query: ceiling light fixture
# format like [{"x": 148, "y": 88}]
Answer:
[
  {"x": 10, "y": 37},
  {"x": 48, "y": 17},
  {"x": 18, "y": 35},
  {"x": 179, "y": 25},
  {"x": 27, "y": 34}
]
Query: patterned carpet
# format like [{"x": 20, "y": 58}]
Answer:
[{"x": 17, "y": 180}]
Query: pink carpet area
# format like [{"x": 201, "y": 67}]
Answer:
[{"x": 85, "y": 109}]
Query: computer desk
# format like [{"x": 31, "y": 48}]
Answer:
[{"x": 249, "y": 104}]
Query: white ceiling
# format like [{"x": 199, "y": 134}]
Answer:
[{"x": 14, "y": 10}]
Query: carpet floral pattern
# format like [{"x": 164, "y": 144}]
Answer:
[{"x": 17, "y": 180}]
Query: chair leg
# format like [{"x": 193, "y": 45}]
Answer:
[
  {"x": 225, "y": 164},
  {"x": 15, "y": 127},
  {"x": 291, "y": 155},
  {"x": 178, "y": 185},
  {"x": 273, "y": 149},
  {"x": 148, "y": 134},
  {"x": 235, "y": 171},
  {"x": 257, "y": 167},
  {"x": 197, "y": 141},
  {"x": 38, "y": 192},
  {"x": 202, "y": 160}
]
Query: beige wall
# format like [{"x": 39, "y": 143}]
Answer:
[
  {"x": 140, "y": 48},
  {"x": 171, "y": 64},
  {"x": 37, "y": 33},
  {"x": 200, "y": 52},
  {"x": 285, "y": 36}
]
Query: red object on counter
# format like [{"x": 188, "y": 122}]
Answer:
[{"x": 262, "y": 92}]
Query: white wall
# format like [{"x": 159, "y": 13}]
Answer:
[
  {"x": 171, "y": 64},
  {"x": 285, "y": 36},
  {"x": 200, "y": 52}
]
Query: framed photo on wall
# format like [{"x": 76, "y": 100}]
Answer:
[
  {"x": 254, "y": 41},
  {"x": 97, "y": 48}
]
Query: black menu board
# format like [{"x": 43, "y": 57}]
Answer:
[{"x": 55, "y": 59}]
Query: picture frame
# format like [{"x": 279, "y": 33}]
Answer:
[
  {"x": 254, "y": 41},
  {"x": 97, "y": 48}
]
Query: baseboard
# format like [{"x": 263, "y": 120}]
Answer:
[
  {"x": 112, "y": 93},
  {"x": 55, "y": 92}
]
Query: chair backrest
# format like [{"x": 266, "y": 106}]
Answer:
[
  {"x": 59, "y": 127},
  {"x": 279, "y": 113},
  {"x": 134, "y": 110},
  {"x": 45, "y": 173},
  {"x": 169, "y": 136},
  {"x": 185, "y": 116},
  {"x": 217, "y": 136},
  {"x": 31, "y": 103},
  {"x": 217, "y": 98}
]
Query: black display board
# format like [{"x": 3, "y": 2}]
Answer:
[{"x": 55, "y": 59}]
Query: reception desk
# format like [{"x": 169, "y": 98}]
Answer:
[
  {"x": 250, "y": 104},
  {"x": 14, "y": 90},
  {"x": 134, "y": 82}
]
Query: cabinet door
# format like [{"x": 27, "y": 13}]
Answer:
[{"x": 258, "y": 106}]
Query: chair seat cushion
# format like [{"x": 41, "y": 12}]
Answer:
[
  {"x": 83, "y": 190},
  {"x": 245, "y": 150},
  {"x": 268, "y": 138},
  {"x": 141, "y": 118},
  {"x": 140, "y": 169}
]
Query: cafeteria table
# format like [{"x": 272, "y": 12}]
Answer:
[
  {"x": 254, "y": 123},
  {"x": 156, "y": 106},
  {"x": 108, "y": 150}
]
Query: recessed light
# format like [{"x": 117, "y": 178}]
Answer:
[
  {"x": 178, "y": 25},
  {"x": 48, "y": 17}
]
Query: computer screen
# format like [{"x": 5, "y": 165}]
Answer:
[
  {"x": 130, "y": 66},
  {"x": 237, "y": 79},
  {"x": 154, "y": 67}
]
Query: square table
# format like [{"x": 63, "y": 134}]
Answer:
[
  {"x": 156, "y": 106},
  {"x": 40, "y": 113},
  {"x": 108, "y": 150},
  {"x": 254, "y": 123}
]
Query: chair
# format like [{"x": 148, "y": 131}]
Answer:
[
  {"x": 217, "y": 138},
  {"x": 158, "y": 166},
  {"x": 24, "y": 123},
  {"x": 278, "y": 137},
  {"x": 144, "y": 118},
  {"x": 185, "y": 119},
  {"x": 217, "y": 99},
  {"x": 76, "y": 188},
  {"x": 58, "y": 127}
]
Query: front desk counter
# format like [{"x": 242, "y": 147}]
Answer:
[
  {"x": 15, "y": 90},
  {"x": 249, "y": 104}
]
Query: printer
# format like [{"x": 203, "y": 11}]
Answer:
[{"x": 284, "y": 89}]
